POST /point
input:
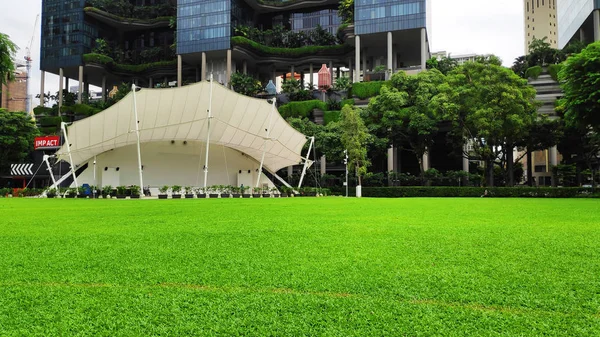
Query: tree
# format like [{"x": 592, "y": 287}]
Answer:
[
  {"x": 405, "y": 110},
  {"x": 444, "y": 65},
  {"x": 346, "y": 11},
  {"x": 7, "y": 65},
  {"x": 543, "y": 133},
  {"x": 245, "y": 84},
  {"x": 580, "y": 81},
  {"x": 354, "y": 137},
  {"x": 491, "y": 108},
  {"x": 17, "y": 133}
]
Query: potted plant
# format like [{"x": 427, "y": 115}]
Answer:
[
  {"x": 121, "y": 190},
  {"x": 189, "y": 192},
  {"x": 265, "y": 192},
  {"x": 176, "y": 189},
  {"x": 106, "y": 191},
  {"x": 275, "y": 192},
  {"x": 256, "y": 191},
  {"x": 51, "y": 193},
  {"x": 93, "y": 192},
  {"x": 243, "y": 189},
  {"x": 163, "y": 192},
  {"x": 212, "y": 192},
  {"x": 71, "y": 192},
  {"x": 81, "y": 192},
  {"x": 200, "y": 193},
  {"x": 135, "y": 191},
  {"x": 226, "y": 191},
  {"x": 235, "y": 191}
]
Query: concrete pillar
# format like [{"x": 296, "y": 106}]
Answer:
[
  {"x": 553, "y": 159},
  {"x": 323, "y": 165},
  {"x": 80, "y": 90},
  {"x": 245, "y": 67},
  {"x": 228, "y": 78},
  {"x": 596, "y": 25},
  {"x": 581, "y": 35},
  {"x": 394, "y": 58},
  {"x": 61, "y": 77},
  {"x": 312, "y": 76},
  {"x": 103, "y": 87},
  {"x": 351, "y": 70},
  {"x": 42, "y": 79},
  {"x": 290, "y": 171},
  {"x": 426, "y": 164},
  {"x": 179, "y": 70},
  {"x": 465, "y": 160},
  {"x": 423, "y": 49},
  {"x": 390, "y": 65},
  {"x": 203, "y": 65},
  {"x": 390, "y": 159},
  {"x": 357, "y": 58}
]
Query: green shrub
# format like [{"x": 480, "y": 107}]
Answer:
[
  {"x": 301, "y": 109},
  {"x": 50, "y": 130},
  {"x": 49, "y": 121},
  {"x": 97, "y": 58},
  {"x": 331, "y": 116},
  {"x": 553, "y": 70},
  {"x": 473, "y": 192},
  {"x": 349, "y": 101},
  {"x": 43, "y": 111},
  {"x": 365, "y": 90},
  {"x": 84, "y": 110},
  {"x": 533, "y": 72},
  {"x": 291, "y": 52},
  {"x": 132, "y": 68}
]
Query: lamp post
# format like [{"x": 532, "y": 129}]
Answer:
[{"x": 346, "y": 165}]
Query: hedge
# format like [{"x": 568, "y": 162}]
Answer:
[
  {"x": 533, "y": 72},
  {"x": 301, "y": 109},
  {"x": 152, "y": 21},
  {"x": 331, "y": 116},
  {"x": 365, "y": 90},
  {"x": 49, "y": 121},
  {"x": 472, "y": 192},
  {"x": 553, "y": 70},
  {"x": 133, "y": 68},
  {"x": 43, "y": 111},
  {"x": 349, "y": 101},
  {"x": 291, "y": 52}
]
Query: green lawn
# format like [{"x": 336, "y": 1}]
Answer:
[{"x": 300, "y": 266}]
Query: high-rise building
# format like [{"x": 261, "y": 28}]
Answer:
[
  {"x": 540, "y": 22},
  {"x": 14, "y": 94},
  {"x": 578, "y": 20},
  {"x": 151, "y": 42}
]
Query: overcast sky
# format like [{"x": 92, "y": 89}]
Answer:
[{"x": 459, "y": 27}]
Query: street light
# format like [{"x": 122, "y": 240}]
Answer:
[{"x": 346, "y": 164}]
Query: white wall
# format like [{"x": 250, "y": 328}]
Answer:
[
  {"x": 174, "y": 164},
  {"x": 571, "y": 15}
]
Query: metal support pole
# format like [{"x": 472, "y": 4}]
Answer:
[
  {"x": 45, "y": 158},
  {"x": 346, "y": 166},
  {"x": 262, "y": 160},
  {"x": 137, "y": 133},
  {"x": 64, "y": 130},
  {"x": 208, "y": 132},
  {"x": 312, "y": 141}
]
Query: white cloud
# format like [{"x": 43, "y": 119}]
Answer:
[{"x": 459, "y": 27}]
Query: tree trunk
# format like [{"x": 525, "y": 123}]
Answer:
[
  {"x": 421, "y": 169},
  {"x": 358, "y": 175},
  {"x": 529, "y": 169},
  {"x": 510, "y": 165}
]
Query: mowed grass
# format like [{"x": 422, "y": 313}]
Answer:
[{"x": 300, "y": 266}]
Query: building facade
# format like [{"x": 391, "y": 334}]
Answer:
[
  {"x": 578, "y": 20},
  {"x": 540, "y": 22},
  {"x": 155, "y": 42},
  {"x": 14, "y": 94}
]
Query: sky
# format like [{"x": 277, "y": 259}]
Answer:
[{"x": 459, "y": 27}]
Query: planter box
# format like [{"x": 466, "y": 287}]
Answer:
[
  {"x": 266, "y": 195},
  {"x": 213, "y": 195},
  {"x": 189, "y": 196},
  {"x": 69, "y": 196},
  {"x": 176, "y": 196},
  {"x": 235, "y": 195},
  {"x": 137, "y": 196},
  {"x": 245, "y": 195},
  {"x": 121, "y": 196},
  {"x": 256, "y": 195},
  {"x": 201, "y": 195},
  {"x": 225, "y": 195},
  {"x": 162, "y": 196},
  {"x": 284, "y": 195}
]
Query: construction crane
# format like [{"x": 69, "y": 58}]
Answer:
[{"x": 28, "y": 65}]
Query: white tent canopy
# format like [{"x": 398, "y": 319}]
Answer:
[{"x": 238, "y": 122}]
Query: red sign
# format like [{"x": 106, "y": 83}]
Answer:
[{"x": 47, "y": 142}]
